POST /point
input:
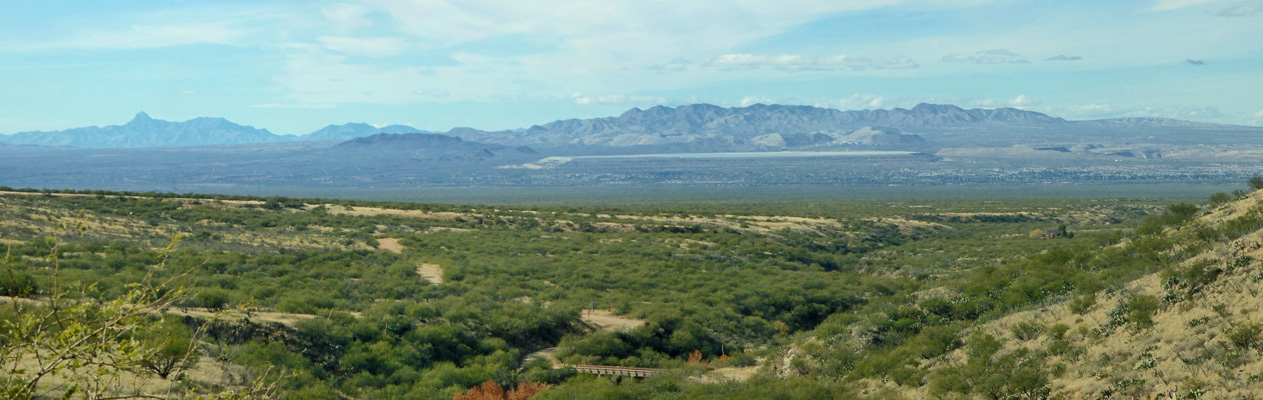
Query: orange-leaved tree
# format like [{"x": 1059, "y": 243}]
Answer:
[{"x": 490, "y": 390}]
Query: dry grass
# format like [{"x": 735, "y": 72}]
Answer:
[{"x": 206, "y": 373}]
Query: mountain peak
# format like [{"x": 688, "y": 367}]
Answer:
[
  {"x": 926, "y": 108},
  {"x": 141, "y": 117}
]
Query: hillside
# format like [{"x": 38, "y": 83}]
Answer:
[
  {"x": 1196, "y": 325},
  {"x": 1175, "y": 306}
]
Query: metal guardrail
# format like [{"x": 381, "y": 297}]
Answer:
[{"x": 629, "y": 372}]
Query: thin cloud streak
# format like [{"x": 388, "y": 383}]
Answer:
[
  {"x": 1240, "y": 11},
  {"x": 139, "y": 37},
  {"x": 799, "y": 63}
]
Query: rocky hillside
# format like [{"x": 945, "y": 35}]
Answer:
[{"x": 1193, "y": 330}]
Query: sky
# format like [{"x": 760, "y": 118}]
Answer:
[{"x": 293, "y": 67}]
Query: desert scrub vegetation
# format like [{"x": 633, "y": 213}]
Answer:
[
  {"x": 816, "y": 301},
  {"x": 71, "y": 343}
]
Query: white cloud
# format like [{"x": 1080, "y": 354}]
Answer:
[
  {"x": 1090, "y": 109},
  {"x": 1063, "y": 57},
  {"x": 752, "y": 100},
  {"x": 717, "y": 23},
  {"x": 995, "y": 56},
  {"x": 1021, "y": 101},
  {"x": 369, "y": 46},
  {"x": 800, "y": 63},
  {"x": 347, "y": 16},
  {"x": 1167, "y": 5},
  {"x": 859, "y": 101},
  {"x": 678, "y": 64},
  {"x": 1241, "y": 11},
  {"x": 1187, "y": 113},
  {"x": 617, "y": 99},
  {"x": 283, "y": 106}
]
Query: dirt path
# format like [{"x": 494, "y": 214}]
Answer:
[
  {"x": 606, "y": 321},
  {"x": 601, "y": 320},
  {"x": 549, "y": 354},
  {"x": 390, "y": 244},
  {"x": 431, "y": 272},
  {"x": 283, "y": 318},
  {"x": 372, "y": 211},
  {"x": 739, "y": 374}
]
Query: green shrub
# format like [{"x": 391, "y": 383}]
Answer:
[
  {"x": 1220, "y": 198},
  {"x": 173, "y": 348},
  {"x": 212, "y": 299},
  {"x": 1082, "y": 303},
  {"x": 1246, "y": 336},
  {"x": 938, "y": 340},
  {"x": 1140, "y": 309},
  {"x": 17, "y": 285},
  {"x": 1058, "y": 331},
  {"x": 1027, "y": 330}
]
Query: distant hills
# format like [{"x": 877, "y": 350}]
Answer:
[
  {"x": 695, "y": 127},
  {"x": 144, "y": 131},
  {"x": 355, "y": 130},
  {"x": 426, "y": 147}
]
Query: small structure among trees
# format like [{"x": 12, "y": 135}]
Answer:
[{"x": 1061, "y": 231}]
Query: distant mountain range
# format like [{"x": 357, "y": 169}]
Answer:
[
  {"x": 144, "y": 131},
  {"x": 696, "y": 127},
  {"x": 355, "y": 130}
]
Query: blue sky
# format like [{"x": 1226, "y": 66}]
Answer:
[{"x": 295, "y": 66}]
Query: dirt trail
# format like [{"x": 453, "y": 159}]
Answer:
[
  {"x": 739, "y": 374},
  {"x": 606, "y": 321},
  {"x": 231, "y": 315},
  {"x": 431, "y": 272},
  {"x": 372, "y": 211},
  {"x": 549, "y": 354},
  {"x": 602, "y": 320},
  {"x": 390, "y": 244}
]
